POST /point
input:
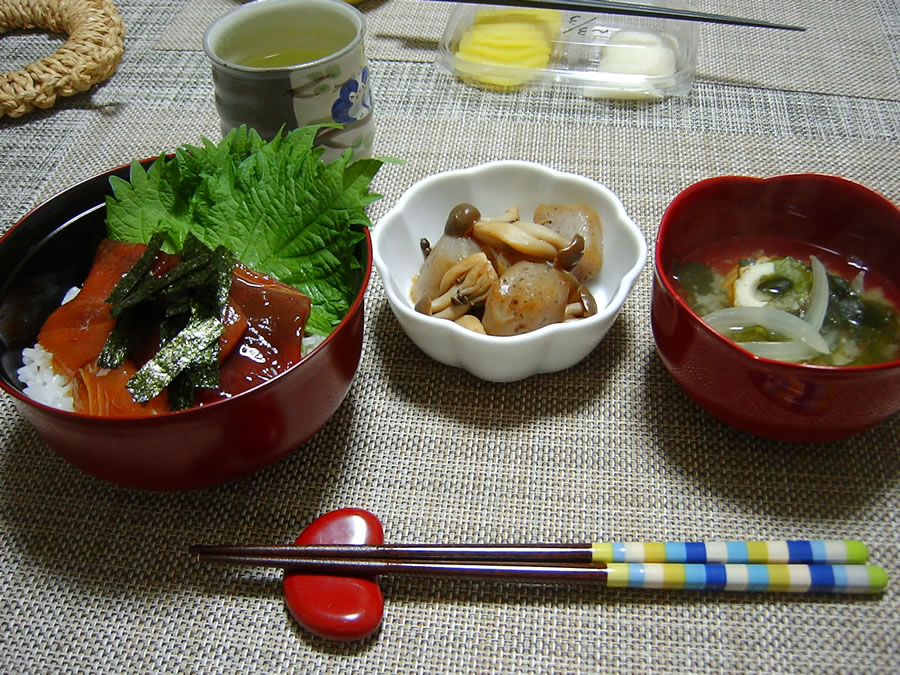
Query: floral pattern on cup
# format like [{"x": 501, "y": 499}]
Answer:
[{"x": 354, "y": 101}]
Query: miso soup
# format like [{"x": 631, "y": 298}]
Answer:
[{"x": 841, "y": 315}]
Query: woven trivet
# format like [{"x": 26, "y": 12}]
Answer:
[{"x": 90, "y": 55}]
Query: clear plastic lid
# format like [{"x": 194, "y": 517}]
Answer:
[{"x": 603, "y": 55}]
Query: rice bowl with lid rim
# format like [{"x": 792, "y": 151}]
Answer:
[{"x": 180, "y": 450}]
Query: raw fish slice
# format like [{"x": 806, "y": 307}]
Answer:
[
  {"x": 76, "y": 332},
  {"x": 264, "y": 324},
  {"x": 276, "y": 317},
  {"x": 102, "y": 392}
]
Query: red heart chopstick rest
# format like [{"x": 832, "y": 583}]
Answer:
[{"x": 337, "y": 608}]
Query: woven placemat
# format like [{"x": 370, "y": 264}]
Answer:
[
  {"x": 843, "y": 51},
  {"x": 91, "y": 53},
  {"x": 97, "y": 578}
]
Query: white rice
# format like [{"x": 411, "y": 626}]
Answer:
[
  {"x": 310, "y": 342},
  {"x": 42, "y": 382}
]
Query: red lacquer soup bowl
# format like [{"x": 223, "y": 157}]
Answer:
[
  {"x": 851, "y": 227},
  {"x": 51, "y": 250}
]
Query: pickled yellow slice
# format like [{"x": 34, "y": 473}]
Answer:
[{"x": 503, "y": 47}]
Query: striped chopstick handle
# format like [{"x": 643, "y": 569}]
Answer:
[
  {"x": 753, "y": 577},
  {"x": 795, "y": 551}
]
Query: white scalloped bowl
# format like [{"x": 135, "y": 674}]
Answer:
[{"x": 494, "y": 187}]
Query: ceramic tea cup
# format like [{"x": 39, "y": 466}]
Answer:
[{"x": 292, "y": 63}]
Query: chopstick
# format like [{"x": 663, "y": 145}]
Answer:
[
  {"x": 558, "y": 564},
  {"x": 809, "y": 551},
  {"x": 786, "y": 578},
  {"x": 634, "y": 9}
]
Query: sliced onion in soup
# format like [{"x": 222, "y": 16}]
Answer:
[
  {"x": 780, "y": 351},
  {"x": 776, "y": 320},
  {"x": 818, "y": 295}
]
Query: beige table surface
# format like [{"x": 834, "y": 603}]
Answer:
[{"x": 96, "y": 578}]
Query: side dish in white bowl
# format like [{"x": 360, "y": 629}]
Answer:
[{"x": 508, "y": 269}]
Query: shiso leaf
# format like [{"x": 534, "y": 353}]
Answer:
[
  {"x": 281, "y": 209},
  {"x": 148, "y": 204}
]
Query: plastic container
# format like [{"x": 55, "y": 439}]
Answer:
[{"x": 601, "y": 55}]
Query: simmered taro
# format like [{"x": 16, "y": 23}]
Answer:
[
  {"x": 569, "y": 221},
  {"x": 528, "y": 296},
  {"x": 507, "y": 276},
  {"x": 452, "y": 248}
]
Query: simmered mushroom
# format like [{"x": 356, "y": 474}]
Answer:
[
  {"x": 463, "y": 286},
  {"x": 525, "y": 274},
  {"x": 461, "y": 220},
  {"x": 568, "y": 258},
  {"x": 581, "y": 305},
  {"x": 473, "y": 323},
  {"x": 529, "y": 239}
]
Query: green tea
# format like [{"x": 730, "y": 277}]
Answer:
[{"x": 284, "y": 58}]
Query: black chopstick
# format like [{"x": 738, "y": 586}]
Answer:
[
  {"x": 370, "y": 568},
  {"x": 575, "y": 553},
  {"x": 630, "y": 9},
  {"x": 833, "y": 551}
]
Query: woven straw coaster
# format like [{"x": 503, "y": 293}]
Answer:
[{"x": 90, "y": 55}]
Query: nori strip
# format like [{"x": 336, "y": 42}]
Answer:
[
  {"x": 191, "y": 298},
  {"x": 211, "y": 300},
  {"x": 204, "y": 370},
  {"x": 224, "y": 261},
  {"x": 177, "y": 303},
  {"x": 192, "y": 246},
  {"x": 138, "y": 271},
  {"x": 200, "y": 278},
  {"x": 149, "y": 287},
  {"x": 181, "y": 392},
  {"x": 173, "y": 357},
  {"x": 172, "y": 325},
  {"x": 119, "y": 342}
]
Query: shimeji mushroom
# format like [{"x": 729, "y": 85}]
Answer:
[
  {"x": 525, "y": 274},
  {"x": 465, "y": 285},
  {"x": 526, "y": 238}
]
